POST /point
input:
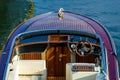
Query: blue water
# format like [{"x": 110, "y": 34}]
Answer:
[{"x": 106, "y": 12}]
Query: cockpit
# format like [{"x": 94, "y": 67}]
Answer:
[{"x": 64, "y": 52}]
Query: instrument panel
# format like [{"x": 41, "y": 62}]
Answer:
[
  {"x": 85, "y": 45},
  {"x": 82, "y": 38}
]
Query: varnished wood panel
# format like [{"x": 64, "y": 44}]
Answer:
[
  {"x": 55, "y": 78},
  {"x": 30, "y": 56},
  {"x": 50, "y": 61},
  {"x": 55, "y": 66},
  {"x": 58, "y": 38},
  {"x": 85, "y": 59}
]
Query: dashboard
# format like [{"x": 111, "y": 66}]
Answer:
[
  {"x": 90, "y": 45},
  {"x": 82, "y": 38}
]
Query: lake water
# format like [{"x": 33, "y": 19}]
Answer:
[{"x": 107, "y": 12}]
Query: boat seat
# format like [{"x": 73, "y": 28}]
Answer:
[
  {"x": 81, "y": 71},
  {"x": 30, "y": 69}
]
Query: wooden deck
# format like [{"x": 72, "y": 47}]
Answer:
[{"x": 55, "y": 78}]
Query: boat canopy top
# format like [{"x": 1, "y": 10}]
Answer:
[{"x": 51, "y": 21}]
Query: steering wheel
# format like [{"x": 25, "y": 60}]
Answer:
[{"x": 83, "y": 48}]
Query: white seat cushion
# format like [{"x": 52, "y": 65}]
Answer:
[{"x": 31, "y": 67}]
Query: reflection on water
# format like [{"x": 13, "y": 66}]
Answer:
[
  {"x": 30, "y": 12},
  {"x": 13, "y": 12}
]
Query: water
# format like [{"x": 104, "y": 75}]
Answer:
[
  {"x": 11, "y": 14},
  {"x": 107, "y": 12}
]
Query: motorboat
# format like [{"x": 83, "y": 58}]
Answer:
[{"x": 59, "y": 45}]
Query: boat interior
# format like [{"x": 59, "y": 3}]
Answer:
[{"x": 55, "y": 57}]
